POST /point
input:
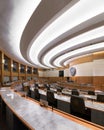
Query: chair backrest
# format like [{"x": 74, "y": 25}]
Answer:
[
  {"x": 28, "y": 91},
  {"x": 36, "y": 94},
  {"x": 100, "y": 98},
  {"x": 59, "y": 89},
  {"x": 91, "y": 92},
  {"x": 77, "y": 104},
  {"x": 50, "y": 96},
  {"x": 36, "y": 85},
  {"x": 75, "y": 92},
  {"x": 47, "y": 86}
]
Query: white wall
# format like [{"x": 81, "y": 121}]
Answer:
[
  {"x": 53, "y": 73},
  {"x": 41, "y": 73},
  {"x": 95, "y": 68},
  {"x": 49, "y": 73},
  {"x": 84, "y": 69},
  {"x": 66, "y": 73},
  {"x": 98, "y": 67}
]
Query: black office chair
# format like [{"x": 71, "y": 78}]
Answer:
[
  {"x": 100, "y": 98},
  {"x": 59, "y": 90},
  {"x": 36, "y": 94},
  {"x": 75, "y": 92},
  {"x": 91, "y": 92},
  {"x": 51, "y": 100},
  {"x": 77, "y": 107},
  {"x": 28, "y": 91},
  {"x": 47, "y": 86},
  {"x": 36, "y": 85}
]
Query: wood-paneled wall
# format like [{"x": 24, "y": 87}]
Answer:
[
  {"x": 98, "y": 82},
  {"x": 83, "y": 79},
  {"x": 53, "y": 79},
  {"x": 88, "y": 58},
  {"x": 80, "y": 60}
]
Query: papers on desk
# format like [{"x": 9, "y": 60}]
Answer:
[{"x": 11, "y": 95}]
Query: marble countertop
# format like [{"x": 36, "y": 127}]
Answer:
[
  {"x": 94, "y": 105},
  {"x": 37, "y": 117}
]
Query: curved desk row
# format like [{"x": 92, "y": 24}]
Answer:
[
  {"x": 20, "y": 109},
  {"x": 88, "y": 103},
  {"x": 63, "y": 103}
]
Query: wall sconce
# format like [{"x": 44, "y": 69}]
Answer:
[
  {"x": 3, "y": 61},
  {"x": 12, "y": 65}
]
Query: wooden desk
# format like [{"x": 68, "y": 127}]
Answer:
[{"x": 36, "y": 117}]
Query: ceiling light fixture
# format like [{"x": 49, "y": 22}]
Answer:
[{"x": 79, "y": 13}]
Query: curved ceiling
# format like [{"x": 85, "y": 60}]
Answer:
[{"x": 48, "y": 33}]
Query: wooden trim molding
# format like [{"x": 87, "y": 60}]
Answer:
[
  {"x": 80, "y": 60},
  {"x": 88, "y": 58}
]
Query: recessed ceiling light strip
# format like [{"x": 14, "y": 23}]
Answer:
[
  {"x": 90, "y": 35},
  {"x": 78, "y": 51}
]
